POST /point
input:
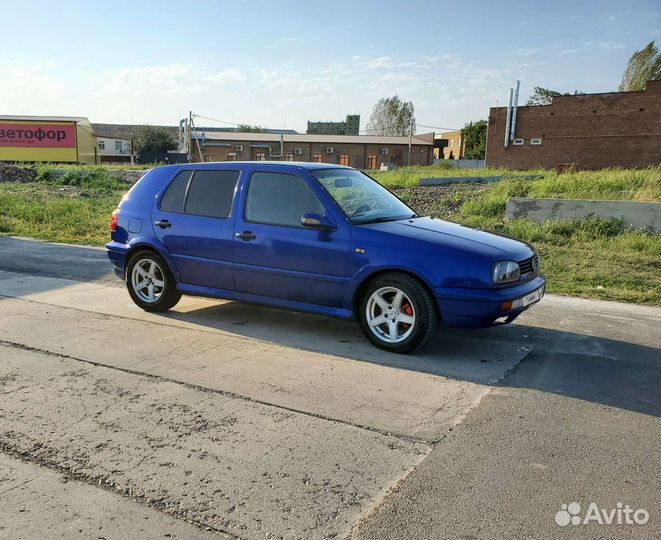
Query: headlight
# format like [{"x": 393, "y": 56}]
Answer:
[{"x": 505, "y": 272}]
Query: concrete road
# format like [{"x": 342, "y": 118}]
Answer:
[{"x": 221, "y": 418}]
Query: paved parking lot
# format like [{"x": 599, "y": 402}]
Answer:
[{"x": 220, "y": 418}]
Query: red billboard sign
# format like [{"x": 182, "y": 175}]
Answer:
[{"x": 37, "y": 135}]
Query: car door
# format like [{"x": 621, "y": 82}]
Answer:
[
  {"x": 193, "y": 219},
  {"x": 275, "y": 256}
]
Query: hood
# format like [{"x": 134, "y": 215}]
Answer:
[{"x": 447, "y": 233}]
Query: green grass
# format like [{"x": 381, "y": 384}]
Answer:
[
  {"x": 70, "y": 214},
  {"x": 593, "y": 258}
]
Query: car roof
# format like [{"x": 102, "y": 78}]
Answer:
[{"x": 258, "y": 164}]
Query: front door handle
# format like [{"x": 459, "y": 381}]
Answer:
[
  {"x": 245, "y": 235},
  {"x": 163, "y": 223}
]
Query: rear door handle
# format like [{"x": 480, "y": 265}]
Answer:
[
  {"x": 163, "y": 223},
  {"x": 245, "y": 235}
]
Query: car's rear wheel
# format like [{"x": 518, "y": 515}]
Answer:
[
  {"x": 397, "y": 313},
  {"x": 150, "y": 282}
]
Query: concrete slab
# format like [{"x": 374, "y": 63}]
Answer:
[
  {"x": 42, "y": 503},
  {"x": 340, "y": 376},
  {"x": 237, "y": 466}
]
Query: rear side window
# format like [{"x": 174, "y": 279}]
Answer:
[
  {"x": 211, "y": 193},
  {"x": 280, "y": 199},
  {"x": 173, "y": 200}
]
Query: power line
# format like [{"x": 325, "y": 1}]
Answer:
[
  {"x": 437, "y": 127},
  {"x": 215, "y": 120}
]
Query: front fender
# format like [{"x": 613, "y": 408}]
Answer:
[{"x": 368, "y": 271}]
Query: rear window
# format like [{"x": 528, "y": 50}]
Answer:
[
  {"x": 211, "y": 193},
  {"x": 173, "y": 200}
]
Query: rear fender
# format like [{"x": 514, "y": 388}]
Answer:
[{"x": 144, "y": 242}]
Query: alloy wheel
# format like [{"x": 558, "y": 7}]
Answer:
[{"x": 390, "y": 314}]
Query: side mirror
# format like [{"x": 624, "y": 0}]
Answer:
[{"x": 317, "y": 221}]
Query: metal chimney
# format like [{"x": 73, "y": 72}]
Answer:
[
  {"x": 514, "y": 107},
  {"x": 509, "y": 118}
]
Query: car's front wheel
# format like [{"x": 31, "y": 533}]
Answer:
[
  {"x": 150, "y": 282},
  {"x": 397, "y": 313}
]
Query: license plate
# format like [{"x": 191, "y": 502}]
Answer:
[{"x": 533, "y": 297}]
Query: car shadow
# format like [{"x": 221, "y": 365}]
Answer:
[{"x": 586, "y": 367}]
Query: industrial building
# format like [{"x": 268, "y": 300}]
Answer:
[
  {"x": 359, "y": 151},
  {"x": 62, "y": 139},
  {"x": 584, "y": 131},
  {"x": 351, "y": 126},
  {"x": 449, "y": 145}
]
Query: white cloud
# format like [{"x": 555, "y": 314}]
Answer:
[
  {"x": 447, "y": 90},
  {"x": 611, "y": 45}
]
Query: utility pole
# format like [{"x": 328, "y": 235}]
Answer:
[{"x": 410, "y": 141}]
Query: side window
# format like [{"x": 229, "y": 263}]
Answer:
[
  {"x": 211, "y": 193},
  {"x": 173, "y": 199},
  {"x": 280, "y": 199}
]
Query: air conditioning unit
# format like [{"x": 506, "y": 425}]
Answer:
[
  {"x": 385, "y": 151},
  {"x": 329, "y": 150},
  {"x": 239, "y": 148},
  {"x": 298, "y": 151}
]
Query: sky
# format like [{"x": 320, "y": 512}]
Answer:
[{"x": 280, "y": 63}]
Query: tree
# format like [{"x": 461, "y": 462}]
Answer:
[
  {"x": 392, "y": 116},
  {"x": 644, "y": 65},
  {"x": 151, "y": 139},
  {"x": 247, "y": 128},
  {"x": 474, "y": 137},
  {"x": 542, "y": 96}
]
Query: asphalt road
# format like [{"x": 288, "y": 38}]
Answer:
[{"x": 225, "y": 419}]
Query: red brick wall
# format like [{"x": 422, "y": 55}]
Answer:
[
  {"x": 358, "y": 152},
  {"x": 591, "y": 131}
]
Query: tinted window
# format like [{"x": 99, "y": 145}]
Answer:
[
  {"x": 280, "y": 199},
  {"x": 211, "y": 193},
  {"x": 173, "y": 200}
]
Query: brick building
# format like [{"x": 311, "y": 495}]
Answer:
[
  {"x": 359, "y": 151},
  {"x": 351, "y": 126},
  {"x": 588, "y": 131}
]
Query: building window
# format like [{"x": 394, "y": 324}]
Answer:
[
  {"x": 371, "y": 161},
  {"x": 208, "y": 157},
  {"x": 118, "y": 146},
  {"x": 102, "y": 144},
  {"x": 260, "y": 156},
  {"x": 289, "y": 156},
  {"x": 344, "y": 159},
  {"x": 231, "y": 156},
  {"x": 317, "y": 158}
]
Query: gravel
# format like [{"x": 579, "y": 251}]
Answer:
[
  {"x": 439, "y": 201},
  {"x": 9, "y": 173}
]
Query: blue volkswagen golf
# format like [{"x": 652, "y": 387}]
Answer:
[{"x": 318, "y": 238}]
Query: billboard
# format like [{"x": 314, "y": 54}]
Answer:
[{"x": 38, "y": 141}]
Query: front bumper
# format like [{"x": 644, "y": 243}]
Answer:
[{"x": 479, "y": 308}]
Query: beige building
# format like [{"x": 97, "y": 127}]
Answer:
[{"x": 449, "y": 145}]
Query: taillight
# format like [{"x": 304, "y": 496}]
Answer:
[{"x": 114, "y": 219}]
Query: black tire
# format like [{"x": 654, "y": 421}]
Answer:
[
  {"x": 421, "y": 301},
  {"x": 167, "y": 297}
]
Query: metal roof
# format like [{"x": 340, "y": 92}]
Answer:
[
  {"x": 43, "y": 118},
  {"x": 305, "y": 138}
]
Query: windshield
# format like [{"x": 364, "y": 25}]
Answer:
[{"x": 363, "y": 200}]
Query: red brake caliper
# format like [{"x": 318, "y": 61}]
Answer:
[{"x": 408, "y": 310}]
